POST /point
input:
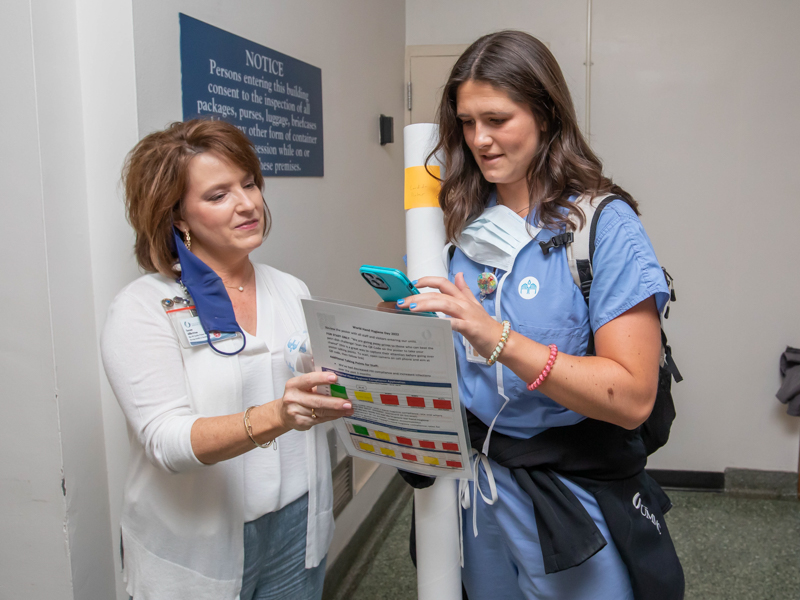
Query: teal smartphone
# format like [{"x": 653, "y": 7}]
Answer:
[{"x": 390, "y": 284}]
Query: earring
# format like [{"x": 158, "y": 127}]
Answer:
[{"x": 187, "y": 240}]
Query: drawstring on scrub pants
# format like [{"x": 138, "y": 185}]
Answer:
[{"x": 478, "y": 458}]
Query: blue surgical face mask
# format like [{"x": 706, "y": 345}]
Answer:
[
  {"x": 210, "y": 297},
  {"x": 496, "y": 237}
]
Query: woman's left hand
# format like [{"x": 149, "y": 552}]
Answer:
[{"x": 466, "y": 314}]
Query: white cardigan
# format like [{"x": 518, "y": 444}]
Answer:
[{"x": 182, "y": 521}]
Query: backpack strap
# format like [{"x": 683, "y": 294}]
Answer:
[
  {"x": 667, "y": 360},
  {"x": 580, "y": 251},
  {"x": 448, "y": 252}
]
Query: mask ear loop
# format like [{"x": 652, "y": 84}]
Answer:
[
  {"x": 176, "y": 267},
  {"x": 235, "y": 352}
]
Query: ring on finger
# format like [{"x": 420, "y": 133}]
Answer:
[{"x": 313, "y": 414}]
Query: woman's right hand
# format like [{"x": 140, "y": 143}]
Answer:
[{"x": 301, "y": 407}]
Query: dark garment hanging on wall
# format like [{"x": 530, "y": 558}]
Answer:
[{"x": 789, "y": 393}]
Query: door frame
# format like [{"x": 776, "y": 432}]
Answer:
[{"x": 454, "y": 50}]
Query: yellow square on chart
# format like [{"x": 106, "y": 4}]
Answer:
[
  {"x": 363, "y": 396},
  {"x": 383, "y": 436},
  {"x": 387, "y": 452},
  {"x": 366, "y": 447},
  {"x": 431, "y": 460}
]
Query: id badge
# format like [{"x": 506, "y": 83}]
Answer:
[
  {"x": 472, "y": 354},
  {"x": 183, "y": 316}
]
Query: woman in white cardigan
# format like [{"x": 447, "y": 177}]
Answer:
[{"x": 228, "y": 493}]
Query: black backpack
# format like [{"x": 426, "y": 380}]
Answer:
[{"x": 580, "y": 252}]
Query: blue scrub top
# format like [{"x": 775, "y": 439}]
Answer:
[{"x": 626, "y": 272}]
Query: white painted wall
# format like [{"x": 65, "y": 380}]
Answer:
[
  {"x": 33, "y": 507},
  {"x": 705, "y": 133},
  {"x": 108, "y": 88},
  {"x": 55, "y": 535},
  {"x": 694, "y": 111}
]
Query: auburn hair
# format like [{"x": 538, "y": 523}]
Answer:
[
  {"x": 155, "y": 178},
  {"x": 564, "y": 164}
]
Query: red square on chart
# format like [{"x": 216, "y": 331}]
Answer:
[
  {"x": 429, "y": 445},
  {"x": 406, "y": 441},
  {"x": 449, "y": 446},
  {"x": 454, "y": 463},
  {"x": 443, "y": 404},
  {"x": 415, "y": 401},
  {"x": 389, "y": 399},
  {"x": 410, "y": 457}
]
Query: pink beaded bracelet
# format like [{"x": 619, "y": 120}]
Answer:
[{"x": 546, "y": 371}]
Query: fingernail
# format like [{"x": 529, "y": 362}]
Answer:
[
  {"x": 414, "y": 282},
  {"x": 347, "y": 406},
  {"x": 332, "y": 377},
  {"x": 412, "y": 305},
  {"x": 401, "y": 301}
]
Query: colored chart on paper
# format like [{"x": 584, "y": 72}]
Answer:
[
  {"x": 404, "y": 453},
  {"x": 402, "y": 422},
  {"x": 447, "y": 443},
  {"x": 417, "y": 398}
]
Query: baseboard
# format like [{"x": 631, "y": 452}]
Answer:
[
  {"x": 705, "y": 481},
  {"x": 735, "y": 482},
  {"x": 761, "y": 484},
  {"x": 342, "y": 578}
]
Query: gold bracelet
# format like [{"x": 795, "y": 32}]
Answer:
[
  {"x": 249, "y": 429},
  {"x": 501, "y": 344}
]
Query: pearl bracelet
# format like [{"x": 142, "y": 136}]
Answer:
[
  {"x": 501, "y": 344},
  {"x": 546, "y": 371}
]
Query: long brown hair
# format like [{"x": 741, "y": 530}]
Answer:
[
  {"x": 523, "y": 67},
  {"x": 155, "y": 177}
]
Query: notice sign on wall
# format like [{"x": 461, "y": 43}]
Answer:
[{"x": 274, "y": 99}]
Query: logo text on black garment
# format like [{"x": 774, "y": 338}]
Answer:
[{"x": 637, "y": 504}]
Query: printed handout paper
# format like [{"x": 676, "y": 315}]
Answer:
[{"x": 399, "y": 372}]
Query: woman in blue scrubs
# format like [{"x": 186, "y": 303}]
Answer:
[{"x": 516, "y": 163}]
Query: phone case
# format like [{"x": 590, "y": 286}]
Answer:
[{"x": 390, "y": 284}]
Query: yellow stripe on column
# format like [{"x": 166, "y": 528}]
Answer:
[{"x": 421, "y": 189}]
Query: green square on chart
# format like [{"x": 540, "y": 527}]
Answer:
[
  {"x": 338, "y": 391},
  {"x": 360, "y": 430}
]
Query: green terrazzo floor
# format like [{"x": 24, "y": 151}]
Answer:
[
  {"x": 737, "y": 548},
  {"x": 392, "y": 575},
  {"x": 732, "y": 548}
]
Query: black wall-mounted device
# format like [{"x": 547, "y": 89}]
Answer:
[{"x": 386, "y": 130}]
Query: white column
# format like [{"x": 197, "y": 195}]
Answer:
[{"x": 437, "y": 510}]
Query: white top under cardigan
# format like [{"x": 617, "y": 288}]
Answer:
[
  {"x": 182, "y": 521},
  {"x": 276, "y": 478}
]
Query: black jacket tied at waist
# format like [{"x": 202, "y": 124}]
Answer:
[{"x": 608, "y": 461}]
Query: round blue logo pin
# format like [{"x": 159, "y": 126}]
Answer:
[{"x": 528, "y": 288}]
